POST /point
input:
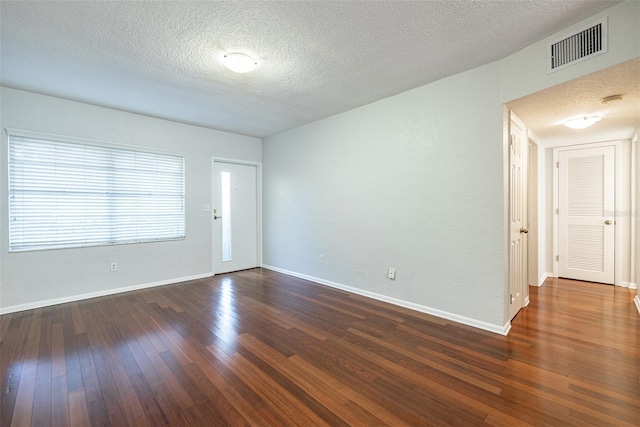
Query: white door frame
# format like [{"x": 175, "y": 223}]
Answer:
[
  {"x": 532, "y": 214},
  {"x": 621, "y": 176},
  {"x": 538, "y": 219},
  {"x": 258, "y": 167},
  {"x": 635, "y": 207}
]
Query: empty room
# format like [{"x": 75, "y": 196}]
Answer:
[{"x": 338, "y": 213}]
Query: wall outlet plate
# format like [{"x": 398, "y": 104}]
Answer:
[{"x": 391, "y": 274}]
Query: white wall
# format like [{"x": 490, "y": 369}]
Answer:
[
  {"x": 542, "y": 214},
  {"x": 532, "y": 215},
  {"x": 29, "y": 278},
  {"x": 398, "y": 183},
  {"x": 538, "y": 194},
  {"x": 415, "y": 182},
  {"x": 549, "y": 211},
  {"x": 634, "y": 215},
  {"x": 623, "y": 214}
]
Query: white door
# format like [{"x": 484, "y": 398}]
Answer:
[
  {"x": 518, "y": 148},
  {"x": 235, "y": 217},
  {"x": 586, "y": 184}
]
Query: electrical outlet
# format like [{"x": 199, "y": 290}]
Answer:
[
  {"x": 114, "y": 266},
  {"x": 392, "y": 273},
  {"x": 321, "y": 259}
]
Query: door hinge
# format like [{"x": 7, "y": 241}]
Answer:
[
  {"x": 557, "y": 211},
  {"x": 557, "y": 257},
  {"x": 511, "y": 298},
  {"x": 557, "y": 164}
]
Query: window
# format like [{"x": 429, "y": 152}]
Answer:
[
  {"x": 67, "y": 194},
  {"x": 225, "y": 193}
]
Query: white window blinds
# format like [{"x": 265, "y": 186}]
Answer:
[{"x": 65, "y": 195}]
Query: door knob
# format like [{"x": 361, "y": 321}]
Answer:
[
  {"x": 608, "y": 222},
  {"x": 524, "y": 230},
  {"x": 217, "y": 217}
]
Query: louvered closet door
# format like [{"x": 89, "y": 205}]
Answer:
[{"x": 586, "y": 214}]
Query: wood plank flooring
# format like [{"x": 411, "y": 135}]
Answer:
[{"x": 264, "y": 349}]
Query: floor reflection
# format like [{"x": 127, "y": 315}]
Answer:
[{"x": 225, "y": 325}]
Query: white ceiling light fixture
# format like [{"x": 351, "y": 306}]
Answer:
[
  {"x": 239, "y": 62},
  {"x": 582, "y": 122}
]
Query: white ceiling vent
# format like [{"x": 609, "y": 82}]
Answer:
[{"x": 576, "y": 47}]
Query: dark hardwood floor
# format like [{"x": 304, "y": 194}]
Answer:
[{"x": 260, "y": 348}]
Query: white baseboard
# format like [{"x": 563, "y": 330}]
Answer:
[
  {"x": 629, "y": 285},
  {"x": 544, "y": 277},
  {"x": 502, "y": 330},
  {"x": 637, "y": 301},
  {"x": 46, "y": 303}
]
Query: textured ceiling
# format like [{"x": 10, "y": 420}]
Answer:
[
  {"x": 317, "y": 58},
  {"x": 545, "y": 111}
]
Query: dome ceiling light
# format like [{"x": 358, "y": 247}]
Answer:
[
  {"x": 239, "y": 62},
  {"x": 582, "y": 122}
]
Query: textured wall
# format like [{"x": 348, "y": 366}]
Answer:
[
  {"x": 412, "y": 182},
  {"x": 36, "y": 276}
]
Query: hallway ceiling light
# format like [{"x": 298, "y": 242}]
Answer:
[
  {"x": 239, "y": 62},
  {"x": 582, "y": 122}
]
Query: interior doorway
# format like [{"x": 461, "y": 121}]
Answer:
[{"x": 544, "y": 113}]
